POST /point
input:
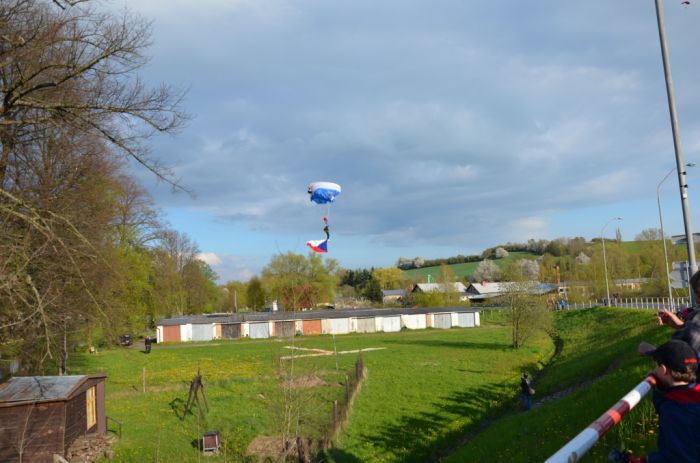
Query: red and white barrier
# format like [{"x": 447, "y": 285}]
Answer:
[{"x": 579, "y": 445}]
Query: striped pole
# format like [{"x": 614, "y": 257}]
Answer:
[{"x": 579, "y": 445}]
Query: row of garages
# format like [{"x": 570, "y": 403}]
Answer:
[{"x": 287, "y": 324}]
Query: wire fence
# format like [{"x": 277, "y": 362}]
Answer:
[
  {"x": 645, "y": 303},
  {"x": 341, "y": 409}
]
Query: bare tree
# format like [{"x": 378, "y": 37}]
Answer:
[
  {"x": 76, "y": 67},
  {"x": 649, "y": 234},
  {"x": 71, "y": 106}
]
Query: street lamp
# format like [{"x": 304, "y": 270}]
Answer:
[
  {"x": 605, "y": 260},
  {"x": 683, "y": 185},
  {"x": 663, "y": 236}
]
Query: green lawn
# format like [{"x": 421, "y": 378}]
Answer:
[
  {"x": 421, "y": 390},
  {"x": 424, "y": 391},
  {"x": 593, "y": 340},
  {"x": 463, "y": 270}
]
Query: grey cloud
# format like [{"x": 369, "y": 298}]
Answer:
[{"x": 439, "y": 119}]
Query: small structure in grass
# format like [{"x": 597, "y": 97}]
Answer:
[
  {"x": 43, "y": 415},
  {"x": 196, "y": 388}
]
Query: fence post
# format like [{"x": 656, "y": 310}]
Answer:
[
  {"x": 347, "y": 389},
  {"x": 335, "y": 416}
]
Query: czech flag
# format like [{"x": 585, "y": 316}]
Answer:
[{"x": 318, "y": 245}]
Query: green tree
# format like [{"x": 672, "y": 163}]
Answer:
[
  {"x": 255, "y": 295},
  {"x": 299, "y": 281},
  {"x": 236, "y": 296},
  {"x": 373, "y": 291},
  {"x": 527, "y": 312},
  {"x": 389, "y": 278},
  {"x": 447, "y": 280},
  {"x": 429, "y": 299}
]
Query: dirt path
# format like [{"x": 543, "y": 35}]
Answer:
[{"x": 513, "y": 407}]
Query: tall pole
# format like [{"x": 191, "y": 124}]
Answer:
[
  {"x": 663, "y": 238},
  {"x": 683, "y": 186},
  {"x": 605, "y": 261}
]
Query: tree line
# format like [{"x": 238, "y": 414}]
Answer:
[{"x": 84, "y": 254}]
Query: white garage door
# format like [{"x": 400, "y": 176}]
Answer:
[
  {"x": 442, "y": 320},
  {"x": 392, "y": 324},
  {"x": 466, "y": 320},
  {"x": 259, "y": 330}
]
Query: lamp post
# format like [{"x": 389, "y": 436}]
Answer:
[
  {"x": 670, "y": 93},
  {"x": 663, "y": 236},
  {"x": 605, "y": 260}
]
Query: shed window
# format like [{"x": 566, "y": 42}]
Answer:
[{"x": 90, "y": 407}]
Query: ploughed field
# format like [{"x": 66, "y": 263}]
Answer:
[{"x": 424, "y": 390}]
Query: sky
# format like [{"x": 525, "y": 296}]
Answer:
[{"x": 451, "y": 126}]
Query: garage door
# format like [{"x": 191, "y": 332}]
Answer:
[
  {"x": 284, "y": 329},
  {"x": 414, "y": 322},
  {"x": 392, "y": 324},
  {"x": 339, "y": 325},
  {"x": 202, "y": 332},
  {"x": 366, "y": 325},
  {"x": 442, "y": 320},
  {"x": 231, "y": 331},
  {"x": 259, "y": 330},
  {"x": 465, "y": 320},
  {"x": 171, "y": 333},
  {"x": 311, "y": 327}
]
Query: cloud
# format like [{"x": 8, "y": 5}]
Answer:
[
  {"x": 210, "y": 258},
  {"x": 442, "y": 121}
]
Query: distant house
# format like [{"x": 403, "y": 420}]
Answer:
[
  {"x": 487, "y": 290},
  {"x": 43, "y": 415},
  {"x": 681, "y": 239},
  {"x": 393, "y": 296},
  {"x": 439, "y": 287},
  {"x": 634, "y": 284}
]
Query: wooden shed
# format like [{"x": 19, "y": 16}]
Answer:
[{"x": 43, "y": 415}]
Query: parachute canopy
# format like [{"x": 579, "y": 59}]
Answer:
[{"x": 323, "y": 192}]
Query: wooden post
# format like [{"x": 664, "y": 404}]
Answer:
[
  {"x": 336, "y": 424},
  {"x": 347, "y": 389}
]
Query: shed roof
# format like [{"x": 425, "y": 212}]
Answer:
[
  {"x": 394, "y": 292},
  {"x": 305, "y": 315},
  {"x": 32, "y": 389},
  {"x": 489, "y": 287},
  {"x": 430, "y": 287}
]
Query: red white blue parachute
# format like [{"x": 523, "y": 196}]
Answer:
[{"x": 323, "y": 192}]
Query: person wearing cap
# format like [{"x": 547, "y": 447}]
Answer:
[{"x": 676, "y": 399}]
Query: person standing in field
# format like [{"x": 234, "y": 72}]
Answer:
[{"x": 526, "y": 391}]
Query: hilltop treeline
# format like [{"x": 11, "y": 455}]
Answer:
[{"x": 557, "y": 247}]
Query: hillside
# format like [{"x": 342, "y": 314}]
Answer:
[
  {"x": 599, "y": 360},
  {"x": 463, "y": 270}
]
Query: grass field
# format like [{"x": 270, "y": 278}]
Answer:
[
  {"x": 593, "y": 340},
  {"x": 463, "y": 270},
  {"x": 421, "y": 390},
  {"x": 424, "y": 391}
]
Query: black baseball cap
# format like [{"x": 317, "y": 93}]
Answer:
[{"x": 676, "y": 355}]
